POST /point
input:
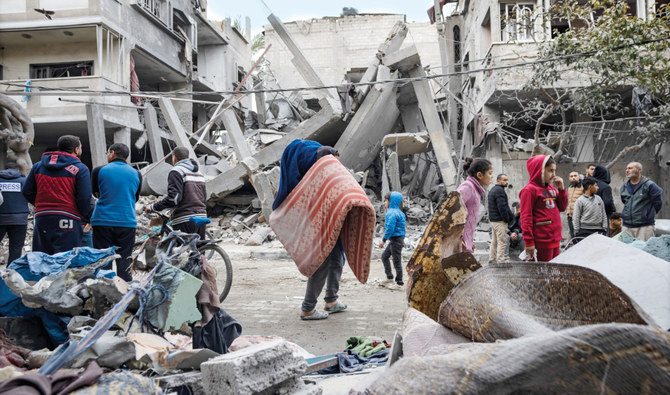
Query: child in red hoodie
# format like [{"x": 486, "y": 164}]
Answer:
[{"x": 541, "y": 204}]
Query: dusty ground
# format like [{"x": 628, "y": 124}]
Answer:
[{"x": 267, "y": 293}]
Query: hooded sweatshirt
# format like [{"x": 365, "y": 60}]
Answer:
[
  {"x": 59, "y": 184},
  {"x": 471, "y": 192},
  {"x": 14, "y": 210},
  {"x": 186, "y": 192},
  {"x": 604, "y": 190},
  {"x": 394, "y": 222},
  {"x": 540, "y": 207}
]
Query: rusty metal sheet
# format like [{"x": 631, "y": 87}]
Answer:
[{"x": 428, "y": 285}]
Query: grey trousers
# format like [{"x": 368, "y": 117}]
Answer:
[{"x": 328, "y": 273}]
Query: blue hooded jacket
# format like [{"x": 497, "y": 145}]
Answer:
[
  {"x": 394, "y": 222},
  {"x": 296, "y": 160}
]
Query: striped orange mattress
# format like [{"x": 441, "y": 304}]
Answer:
[{"x": 326, "y": 204}]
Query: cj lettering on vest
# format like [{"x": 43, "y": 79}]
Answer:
[{"x": 66, "y": 224}]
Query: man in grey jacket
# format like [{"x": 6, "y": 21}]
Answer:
[{"x": 589, "y": 216}]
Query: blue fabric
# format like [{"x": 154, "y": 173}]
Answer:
[
  {"x": 118, "y": 183},
  {"x": 296, "y": 160},
  {"x": 34, "y": 266},
  {"x": 394, "y": 221},
  {"x": 349, "y": 361},
  {"x": 14, "y": 210}
]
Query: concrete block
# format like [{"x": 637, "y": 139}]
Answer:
[
  {"x": 253, "y": 369},
  {"x": 258, "y": 237}
]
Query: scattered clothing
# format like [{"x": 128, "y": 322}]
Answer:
[
  {"x": 642, "y": 201},
  {"x": 218, "y": 334},
  {"x": 541, "y": 205},
  {"x": 471, "y": 192},
  {"x": 60, "y": 383}
]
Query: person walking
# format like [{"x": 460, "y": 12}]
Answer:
[
  {"x": 59, "y": 186},
  {"x": 296, "y": 160},
  {"x": 394, "y": 225},
  {"x": 14, "y": 210},
  {"x": 500, "y": 217},
  {"x": 642, "y": 200},
  {"x": 589, "y": 215},
  {"x": 117, "y": 186},
  {"x": 186, "y": 194},
  {"x": 541, "y": 204},
  {"x": 480, "y": 173},
  {"x": 602, "y": 176},
  {"x": 575, "y": 190}
]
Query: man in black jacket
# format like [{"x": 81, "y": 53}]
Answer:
[
  {"x": 604, "y": 190},
  {"x": 186, "y": 194},
  {"x": 499, "y": 215}
]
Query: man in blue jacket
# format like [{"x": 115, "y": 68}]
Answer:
[
  {"x": 117, "y": 186},
  {"x": 642, "y": 200},
  {"x": 14, "y": 211},
  {"x": 59, "y": 186},
  {"x": 394, "y": 225}
]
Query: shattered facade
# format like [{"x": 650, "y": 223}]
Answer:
[{"x": 109, "y": 45}]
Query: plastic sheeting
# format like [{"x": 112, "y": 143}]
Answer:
[{"x": 33, "y": 267}]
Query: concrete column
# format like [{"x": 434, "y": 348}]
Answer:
[
  {"x": 96, "y": 134},
  {"x": 122, "y": 135},
  {"x": 153, "y": 133},
  {"x": 178, "y": 131}
]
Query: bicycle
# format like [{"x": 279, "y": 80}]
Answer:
[{"x": 209, "y": 248}]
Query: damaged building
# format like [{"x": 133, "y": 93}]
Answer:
[{"x": 82, "y": 49}]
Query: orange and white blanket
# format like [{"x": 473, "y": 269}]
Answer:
[{"x": 327, "y": 203}]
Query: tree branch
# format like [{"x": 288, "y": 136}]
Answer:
[{"x": 626, "y": 150}]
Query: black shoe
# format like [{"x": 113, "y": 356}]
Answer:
[
  {"x": 400, "y": 282},
  {"x": 389, "y": 278}
]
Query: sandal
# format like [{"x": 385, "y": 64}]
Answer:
[
  {"x": 316, "y": 315},
  {"x": 339, "y": 306}
]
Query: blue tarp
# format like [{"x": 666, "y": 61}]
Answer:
[{"x": 34, "y": 266}]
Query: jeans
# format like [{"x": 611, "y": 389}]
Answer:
[
  {"x": 328, "y": 273},
  {"x": 17, "y": 237},
  {"x": 394, "y": 249}
]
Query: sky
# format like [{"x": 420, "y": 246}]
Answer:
[{"x": 292, "y": 10}]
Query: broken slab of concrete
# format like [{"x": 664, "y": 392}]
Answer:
[
  {"x": 642, "y": 276},
  {"x": 228, "y": 182},
  {"x": 258, "y": 237},
  {"x": 360, "y": 143},
  {"x": 253, "y": 369},
  {"x": 428, "y": 285},
  {"x": 407, "y": 143},
  {"x": 179, "y": 134}
]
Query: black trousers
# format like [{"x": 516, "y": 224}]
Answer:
[
  {"x": 190, "y": 227},
  {"x": 393, "y": 249},
  {"x": 124, "y": 239},
  {"x": 17, "y": 237},
  {"x": 584, "y": 233},
  {"x": 56, "y": 233},
  {"x": 572, "y": 227}
]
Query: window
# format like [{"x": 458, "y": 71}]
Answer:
[
  {"x": 516, "y": 21},
  {"x": 457, "y": 48},
  {"x": 61, "y": 70}
]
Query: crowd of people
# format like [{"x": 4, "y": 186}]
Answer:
[
  {"x": 534, "y": 223},
  {"x": 69, "y": 199}
]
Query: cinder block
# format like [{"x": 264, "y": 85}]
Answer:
[{"x": 253, "y": 369}]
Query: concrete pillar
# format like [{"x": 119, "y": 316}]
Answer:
[
  {"x": 153, "y": 133},
  {"x": 96, "y": 134},
  {"x": 393, "y": 172},
  {"x": 122, "y": 135},
  {"x": 178, "y": 131}
]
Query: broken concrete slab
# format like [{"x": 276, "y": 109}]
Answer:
[
  {"x": 407, "y": 143},
  {"x": 153, "y": 133},
  {"x": 393, "y": 170},
  {"x": 258, "y": 237},
  {"x": 96, "y": 134},
  {"x": 154, "y": 182},
  {"x": 179, "y": 134},
  {"x": 253, "y": 369},
  {"x": 404, "y": 59},
  {"x": 235, "y": 178},
  {"x": 642, "y": 276},
  {"x": 235, "y": 134},
  {"x": 360, "y": 143}
]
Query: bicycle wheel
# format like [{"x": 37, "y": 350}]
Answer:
[{"x": 219, "y": 260}]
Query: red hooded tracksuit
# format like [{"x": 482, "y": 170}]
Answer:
[{"x": 540, "y": 211}]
